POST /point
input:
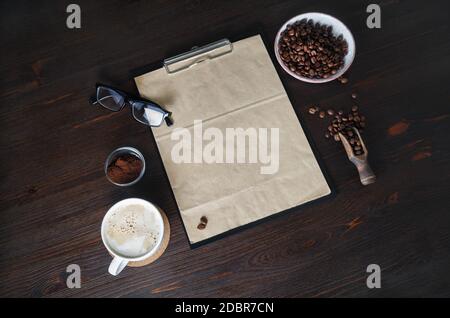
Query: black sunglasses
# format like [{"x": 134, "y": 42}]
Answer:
[{"x": 144, "y": 111}]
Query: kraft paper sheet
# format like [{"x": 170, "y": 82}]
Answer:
[{"x": 239, "y": 89}]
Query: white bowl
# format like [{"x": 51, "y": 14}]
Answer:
[{"x": 338, "y": 28}]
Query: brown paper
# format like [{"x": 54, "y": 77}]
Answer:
[{"x": 239, "y": 89}]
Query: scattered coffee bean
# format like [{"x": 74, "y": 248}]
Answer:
[
  {"x": 354, "y": 96},
  {"x": 344, "y": 124},
  {"x": 343, "y": 80},
  {"x": 204, "y": 219},
  {"x": 311, "y": 49}
]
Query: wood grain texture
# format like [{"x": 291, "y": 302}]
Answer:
[{"x": 53, "y": 144}]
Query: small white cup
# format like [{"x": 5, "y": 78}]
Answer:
[{"x": 120, "y": 261}]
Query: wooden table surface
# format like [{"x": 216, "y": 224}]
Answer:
[{"x": 53, "y": 143}]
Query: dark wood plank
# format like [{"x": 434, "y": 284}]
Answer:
[{"x": 53, "y": 144}]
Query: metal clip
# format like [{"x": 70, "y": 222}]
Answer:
[{"x": 197, "y": 55}]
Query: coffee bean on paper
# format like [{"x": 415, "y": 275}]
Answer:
[
  {"x": 201, "y": 226},
  {"x": 311, "y": 49},
  {"x": 204, "y": 219}
]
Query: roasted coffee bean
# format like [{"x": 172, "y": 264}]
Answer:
[
  {"x": 312, "y": 110},
  {"x": 201, "y": 226},
  {"x": 354, "y": 96},
  {"x": 312, "y": 50},
  {"x": 343, "y": 80},
  {"x": 204, "y": 219},
  {"x": 345, "y": 125}
]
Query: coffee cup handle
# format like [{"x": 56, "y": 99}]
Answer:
[{"x": 117, "y": 265}]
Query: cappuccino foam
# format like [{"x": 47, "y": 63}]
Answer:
[{"x": 132, "y": 230}]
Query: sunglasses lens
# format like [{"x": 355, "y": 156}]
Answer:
[
  {"x": 148, "y": 114},
  {"x": 110, "y": 99}
]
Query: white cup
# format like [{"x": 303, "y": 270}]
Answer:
[{"x": 120, "y": 261}]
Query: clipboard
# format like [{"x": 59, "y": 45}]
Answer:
[{"x": 227, "y": 85}]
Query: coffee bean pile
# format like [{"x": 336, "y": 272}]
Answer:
[
  {"x": 343, "y": 123},
  {"x": 311, "y": 50},
  {"x": 203, "y": 222}
]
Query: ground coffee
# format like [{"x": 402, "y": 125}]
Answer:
[{"x": 125, "y": 169}]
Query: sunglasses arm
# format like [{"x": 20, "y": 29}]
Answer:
[
  {"x": 95, "y": 101},
  {"x": 168, "y": 118}
]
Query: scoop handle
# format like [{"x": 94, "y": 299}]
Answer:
[{"x": 366, "y": 174}]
